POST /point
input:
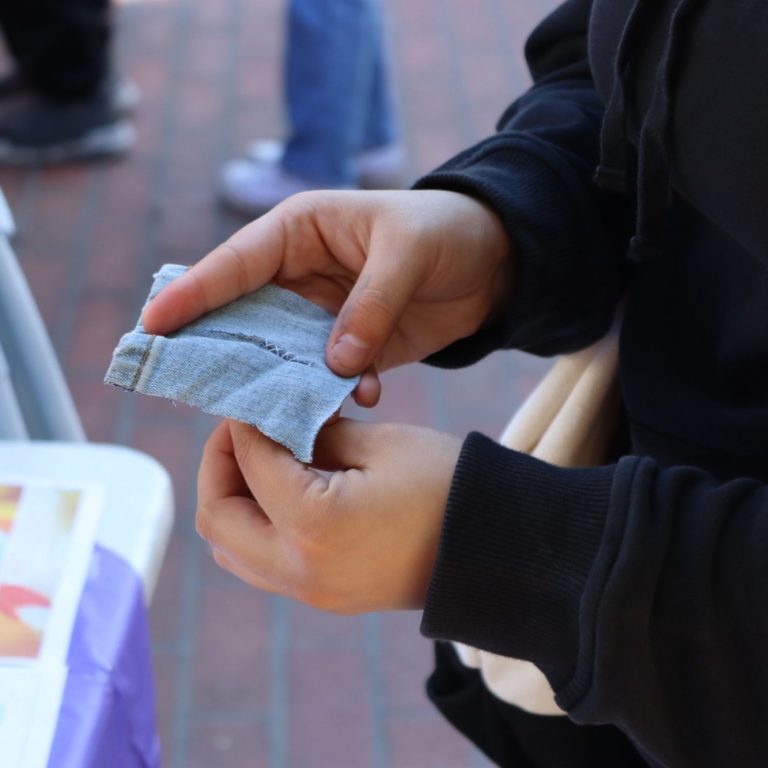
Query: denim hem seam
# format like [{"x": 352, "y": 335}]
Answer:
[{"x": 142, "y": 362}]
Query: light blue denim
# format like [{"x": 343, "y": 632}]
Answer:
[
  {"x": 336, "y": 88},
  {"x": 259, "y": 360}
]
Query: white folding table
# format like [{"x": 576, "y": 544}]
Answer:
[{"x": 42, "y": 440}]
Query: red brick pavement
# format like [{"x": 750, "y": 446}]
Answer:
[{"x": 245, "y": 679}]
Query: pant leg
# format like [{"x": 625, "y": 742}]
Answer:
[
  {"x": 61, "y": 47},
  {"x": 332, "y": 46},
  {"x": 381, "y": 125}
]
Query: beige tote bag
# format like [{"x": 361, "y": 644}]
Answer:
[{"x": 570, "y": 419}]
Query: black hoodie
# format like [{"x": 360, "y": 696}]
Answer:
[{"x": 636, "y": 166}]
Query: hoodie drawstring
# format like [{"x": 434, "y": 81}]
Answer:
[
  {"x": 611, "y": 174},
  {"x": 653, "y": 143}
]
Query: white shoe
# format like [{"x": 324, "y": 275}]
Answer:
[
  {"x": 126, "y": 95},
  {"x": 255, "y": 186},
  {"x": 377, "y": 168},
  {"x": 381, "y": 167}
]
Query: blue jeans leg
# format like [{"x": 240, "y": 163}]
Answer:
[
  {"x": 336, "y": 88},
  {"x": 381, "y": 120}
]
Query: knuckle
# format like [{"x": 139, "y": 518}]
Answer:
[
  {"x": 302, "y": 202},
  {"x": 239, "y": 265},
  {"x": 370, "y": 310},
  {"x": 306, "y": 545},
  {"x": 220, "y": 559},
  {"x": 298, "y": 207},
  {"x": 374, "y": 304},
  {"x": 307, "y": 593},
  {"x": 210, "y": 447},
  {"x": 318, "y": 598},
  {"x": 201, "y": 288},
  {"x": 242, "y": 446}
]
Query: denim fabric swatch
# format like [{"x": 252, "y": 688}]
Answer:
[{"x": 259, "y": 360}]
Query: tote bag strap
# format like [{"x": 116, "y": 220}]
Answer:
[{"x": 571, "y": 417}]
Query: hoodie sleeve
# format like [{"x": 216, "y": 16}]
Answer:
[
  {"x": 632, "y": 600},
  {"x": 536, "y": 173}
]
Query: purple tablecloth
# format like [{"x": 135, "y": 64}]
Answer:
[{"x": 107, "y": 715}]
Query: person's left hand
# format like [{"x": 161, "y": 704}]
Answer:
[{"x": 357, "y": 531}]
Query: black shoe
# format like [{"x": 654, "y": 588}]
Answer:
[
  {"x": 11, "y": 84},
  {"x": 37, "y": 131},
  {"x": 123, "y": 91}
]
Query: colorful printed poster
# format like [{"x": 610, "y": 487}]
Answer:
[
  {"x": 47, "y": 535},
  {"x": 46, "y": 539}
]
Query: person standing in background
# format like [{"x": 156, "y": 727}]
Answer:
[
  {"x": 62, "y": 100},
  {"x": 342, "y": 127}
]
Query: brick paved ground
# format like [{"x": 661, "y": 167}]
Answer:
[{"x": 245, "y": 679}]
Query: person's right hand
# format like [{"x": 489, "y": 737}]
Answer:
[{"x": 406, "y": 272}]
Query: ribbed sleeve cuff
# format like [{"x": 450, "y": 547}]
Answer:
[{"x": 519, "y": 540}]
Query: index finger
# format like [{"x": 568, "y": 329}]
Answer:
[
  {"x": 227, "y": 516},
  {"x": 242, "y": 264}
]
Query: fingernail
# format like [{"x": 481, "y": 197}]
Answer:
[{"x": 350, "y": 352}]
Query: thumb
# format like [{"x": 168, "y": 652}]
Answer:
[
  {"x": 371, "y": 312},
  {"x": 346, "y": 444}
]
